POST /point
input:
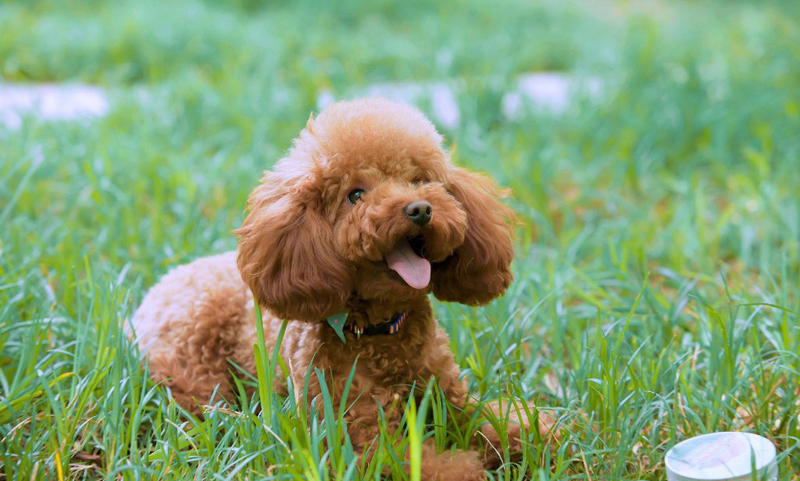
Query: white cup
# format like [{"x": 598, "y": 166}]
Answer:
[{"x": 722, "y": 457}]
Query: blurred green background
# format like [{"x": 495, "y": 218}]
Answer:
[{"x": 658, "y": 264}]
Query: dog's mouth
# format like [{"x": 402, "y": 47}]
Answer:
[{"x": 406, "y": 259}]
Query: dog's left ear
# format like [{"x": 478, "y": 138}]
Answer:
[
  {"x": 479, "y": 270},
  {"x": 286, "y": 254}
]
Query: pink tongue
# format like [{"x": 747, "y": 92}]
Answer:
[{"x": 415, "y": 270}]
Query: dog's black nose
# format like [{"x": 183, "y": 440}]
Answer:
[{"x": 419, "y": 212}]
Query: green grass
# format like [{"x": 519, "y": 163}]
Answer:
[{"x": 657, "y": 281}]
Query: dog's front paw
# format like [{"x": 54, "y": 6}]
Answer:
[
  {"x": 513, "y": 420},
  {"x": 451, "y": 466}
]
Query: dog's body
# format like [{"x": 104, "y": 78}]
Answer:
[{"x": 365, "y": 216}]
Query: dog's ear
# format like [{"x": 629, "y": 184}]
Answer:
[
  {"x": 479, "y": 270},
  {"x": 286, "y": 254}
]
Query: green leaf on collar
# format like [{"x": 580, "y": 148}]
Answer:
[{"x": 337, "y": 322}]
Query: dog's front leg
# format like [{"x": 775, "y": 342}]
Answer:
[
  {"x": 363, "y": 427},
  {"x": 514, "y": 418}
]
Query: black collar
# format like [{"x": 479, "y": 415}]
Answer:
[
  {"x": 342, "y": 321},
  {"x": 386, "y": 328}
]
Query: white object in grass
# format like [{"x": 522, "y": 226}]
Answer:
[
  {"x": 548, "y": 92},
  {"x": 50, "y": 102},
  {"x": 722, "y": 457}
]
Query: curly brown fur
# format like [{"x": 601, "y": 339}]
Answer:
[{"x": 306, "y": 253}]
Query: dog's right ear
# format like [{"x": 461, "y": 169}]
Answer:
[{"x": 286, "y": 253}]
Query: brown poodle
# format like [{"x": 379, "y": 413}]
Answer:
[{"x": 364, "y": 216}]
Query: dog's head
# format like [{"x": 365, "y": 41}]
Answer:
[{"x": 367, "y": 204}]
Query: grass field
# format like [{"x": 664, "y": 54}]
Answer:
[{"x": 657, "y": 274}]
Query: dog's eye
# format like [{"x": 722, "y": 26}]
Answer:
[
  {"x": 419, "y": 180},
  {"x": 355, "y": 196}
]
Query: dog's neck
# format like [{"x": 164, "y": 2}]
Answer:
[{"x": 370, "y": 312}]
